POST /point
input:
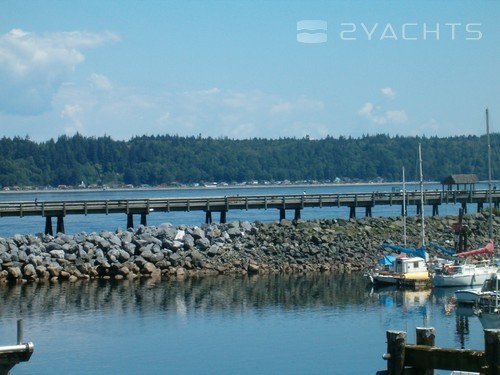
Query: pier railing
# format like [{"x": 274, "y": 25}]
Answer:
[
  {"x": 223, "y": 204},
  {"x": 423, "y": 358}
]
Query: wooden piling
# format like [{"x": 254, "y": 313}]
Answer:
[
  {"x": 48, "y": 225},
  {"x": 60, "y": 224},
  {"x": 396, "y": 341},
  {"x": 424, "y": 358},
  {"x": 223, "y": 217},
  {"x": 492, "y": 350},
  {"x": 425, "y": 336}
]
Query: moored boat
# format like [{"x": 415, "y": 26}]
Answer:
[
  {"x": 472, "y": 295},
  {"x": 404, "y": 271},
  {"x": 463, "y": 274}
]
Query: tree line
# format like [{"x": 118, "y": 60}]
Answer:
[{"x": 172, "y": 159}]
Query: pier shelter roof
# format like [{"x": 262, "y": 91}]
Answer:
[{"x": 467, "y": 180}]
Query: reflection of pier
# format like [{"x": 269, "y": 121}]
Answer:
[{"x": 282, "y": 203}]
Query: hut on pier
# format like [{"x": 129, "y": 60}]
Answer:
[{"x": 460, "y": 182}]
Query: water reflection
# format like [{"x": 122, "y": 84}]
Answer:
[
  {"x": 289, "y": 322},
  {"x": 183, "y": 296},
  {"x": 345, "y": 295}
]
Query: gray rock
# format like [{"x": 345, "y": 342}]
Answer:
[
  {"x": 203, "y": 243},
  {"x": 57, "y": 254}
]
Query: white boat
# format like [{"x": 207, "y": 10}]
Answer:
[
  {"x": 465, "y": 274},
  {"x": 472, "y": 296},
  {"x": 405, "y": 270},
  {"x": 488, "y": 311}
]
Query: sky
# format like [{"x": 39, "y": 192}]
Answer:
[{"x": 245, "y": 69}]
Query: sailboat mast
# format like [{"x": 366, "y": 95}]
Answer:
[
  {"x": 490, "y": 229},
  {"x": 404, "y": 208},
  {"x": 421, "y": 192}
]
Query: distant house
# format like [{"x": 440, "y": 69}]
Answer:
[{"x": 460, "y": 181}]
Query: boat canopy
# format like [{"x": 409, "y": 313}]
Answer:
[
  {"x": 408, "y": 250},
  {"x": 488, "y": 249},
  {"x": 443, "y": 249},
  {"x": 387, "y": 260}
]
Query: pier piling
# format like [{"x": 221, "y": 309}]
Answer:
[{"x": 423, "y": 358}]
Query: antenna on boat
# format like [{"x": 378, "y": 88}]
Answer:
[
  {"x": 421, "y": 192},
  {"x": 404, "y": 207},
  {"x": 490, "y": 228}
]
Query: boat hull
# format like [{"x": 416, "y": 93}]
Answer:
[
  {"x": 400, "y": 279},
  {"x": 469, "y": 296},
  {"x": 465, "y": 279}
]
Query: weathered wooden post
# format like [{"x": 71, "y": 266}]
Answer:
[
  {"x": 60, "y": 224},
  {"x": 352, "y": 212},
  {"x": 208, "y": 217},
  {"x": 427, "y": 337},
  {"x": 130, "y": 220},
  {"x": 48, "y": 225},
  {"x": 396, "y": 341},
  {"x": 223, "y": 217},
  {"x": 492, "y": 350}
]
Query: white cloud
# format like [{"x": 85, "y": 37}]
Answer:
[
  {"x": 380, "y": 117},
  {"x": 73, "y": 114},
  {"x": 396, "y": 116},
  {"x": 100, "y": 82},
  {"x": 127, "y": 112},
  {"x": 388, "y": 92},
  {"x": 34, "y": 66}
]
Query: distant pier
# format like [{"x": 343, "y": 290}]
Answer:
[{"x": 222, "y": 204}]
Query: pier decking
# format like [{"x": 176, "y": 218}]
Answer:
[{"x": 223, "y": 204}]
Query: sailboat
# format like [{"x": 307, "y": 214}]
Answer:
[
  {"x": 405, "y": 270},
  {"x": 461, "y": 273}
]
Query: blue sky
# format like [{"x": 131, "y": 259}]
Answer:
[{"x": 241, "y": 69}]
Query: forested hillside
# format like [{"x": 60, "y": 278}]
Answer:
[{"x": 164, "y": 160}]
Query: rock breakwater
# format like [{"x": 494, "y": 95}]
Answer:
[{"x": 329, "y": 245}]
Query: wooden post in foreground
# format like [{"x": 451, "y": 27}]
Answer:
[
  {"x": 427, "y": 337},
  {"x": 396, "y": 341},
  {"x": 492, "y": 350}
]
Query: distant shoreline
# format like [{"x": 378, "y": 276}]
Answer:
[{"x": 250, "y": 186}]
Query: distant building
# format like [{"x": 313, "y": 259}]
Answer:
[{"x": 460, "y": 181}]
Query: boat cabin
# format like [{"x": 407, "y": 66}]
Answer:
[{"x": 409, "y": 265}]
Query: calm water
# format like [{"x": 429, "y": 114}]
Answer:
[
  {"x": 96, "y": 223},
  {"x": 319, "y": 324}
]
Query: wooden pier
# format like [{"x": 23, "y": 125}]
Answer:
[
  {"x": 423, "y": 358},
  {"x": 223, "y": 204}
]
